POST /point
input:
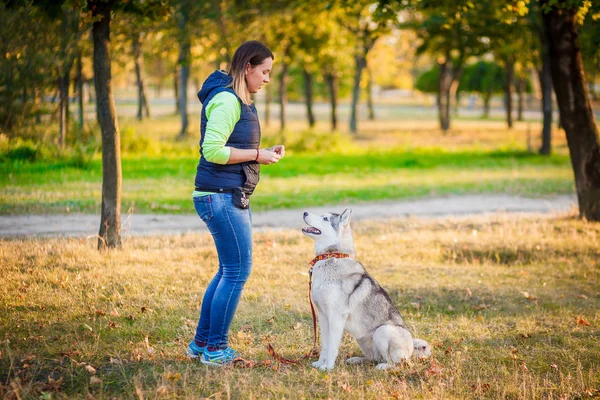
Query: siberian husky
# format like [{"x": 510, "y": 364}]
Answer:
[{"x": 348, "y": 298}]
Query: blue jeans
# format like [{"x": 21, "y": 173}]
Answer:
[{"x": 231, "y": 229}]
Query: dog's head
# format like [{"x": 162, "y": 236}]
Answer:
[{"x": 331, "y": 232}]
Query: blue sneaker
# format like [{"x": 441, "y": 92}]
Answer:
[
  {"x": 219, "y": 358},
  {"x": 194, "y": 351}
]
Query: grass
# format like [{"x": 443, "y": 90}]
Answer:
[
  {"x": 510, "y": 304},
  {"x": 384, "y": 162}
]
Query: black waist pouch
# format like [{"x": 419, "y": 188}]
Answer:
[{"x": 241, "y": 199}]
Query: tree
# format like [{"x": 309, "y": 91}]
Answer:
[
  {"x": 366, "y": 28},
  {"x": 485, "y": 78},
  {"x": 25, "y": 73},
  {"x": 451, "y": 33},
  {"x": 182, "y": 16},
  {"x": 544, "y": 75},
  {"x": 576, "y": 115},
  {"x": 110, "y": 217},
  {"x": 138, "y": 58}
]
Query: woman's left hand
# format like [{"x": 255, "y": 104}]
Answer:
[{"x": 279, "y": 149}]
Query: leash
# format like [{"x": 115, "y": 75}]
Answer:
[{"x": 243, "y": 363}]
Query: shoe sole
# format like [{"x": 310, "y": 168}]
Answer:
[
  {"x": 191, "y": 355},
  {"x": 214, "y": 364}
]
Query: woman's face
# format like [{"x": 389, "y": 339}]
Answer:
[{"x": 258, "y": 75}]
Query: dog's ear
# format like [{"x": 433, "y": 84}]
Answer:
[{"x": 345, "y": 217}]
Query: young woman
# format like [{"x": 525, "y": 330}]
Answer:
[{"x": 226, "y": 175}]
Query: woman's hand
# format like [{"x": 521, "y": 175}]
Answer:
[
  {"x": 269, "y": 156},
  {"x": 278, "y": 148}
]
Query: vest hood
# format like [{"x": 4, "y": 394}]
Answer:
[{"x": 218, "y": 79}]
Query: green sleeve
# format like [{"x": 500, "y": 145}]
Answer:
[{"x": 223, "y": 111}]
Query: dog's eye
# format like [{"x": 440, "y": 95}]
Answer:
[{"x": 325, "y": 219}]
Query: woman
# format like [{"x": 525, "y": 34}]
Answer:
[{"x": 227, "y": 174}]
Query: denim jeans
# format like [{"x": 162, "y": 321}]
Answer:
[{"x": 231, "y": 229}]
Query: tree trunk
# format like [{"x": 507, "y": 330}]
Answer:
[
  {"x": 520, "y": 91},
  {"x": 184, "y": 71},
  {"x": 176, "y": 89},
  {"x": 545, "y": 77},
  {"x": 80, "y": 94},
  {"x": 576, "y": 115},
  {"x": 510, "y": 67},
  {"x": 486, "y": 104},
  {"x": 308, "y": 97},
  {"x": 443, "y": 97},
  {"x": 360, "y": 64},
  {"x": 138, "y": 59},
  {"x": 63, "y": 114},
  {"x": 332, "y": 85},
  {"x": 110, "y": 221},
  {"x": 370, "y": 95},
  {"x": 282, "y": 94}
]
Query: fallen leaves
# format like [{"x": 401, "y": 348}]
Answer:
[
  {"x": 435, "y": 369},
  {"x": 346, "y": 387},
  {"x": 582, "y": 321},
  {"x": 173, "y": 376}
]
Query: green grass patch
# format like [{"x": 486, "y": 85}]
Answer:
[{"x": 164, "y": 184}]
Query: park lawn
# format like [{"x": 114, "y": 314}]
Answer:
[
  {"x": 163, "y": 184},
  {"x": 510, "y": 304}
]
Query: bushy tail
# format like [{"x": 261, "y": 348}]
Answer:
[{"x": 422, "y": 349}]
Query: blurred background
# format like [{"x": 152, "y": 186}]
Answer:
[{"x": 349, "y": 77}]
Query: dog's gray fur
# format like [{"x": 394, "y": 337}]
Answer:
[{"x": 348, "y": 298}]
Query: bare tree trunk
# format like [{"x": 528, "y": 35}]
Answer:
[
  {"x": 520, "y": 91},
  {"x": 110, "y": 221},
  {"x": 308, "y": 97},
  {"x": 80, "y": 99},
  {"x": 370, "y": 95},
  {"x": 545, "y": 77},
  {"x": 510, "y": 67},
  {"x": 176, "y": 89},
  {"x": 138, "y": 59},
  {"x": 360, "y": 63},
  {"x": 63, "y": 114},
  {"x": 282, "y": 94},
  {"x": 443, "y": 96},
  {"x": 486, "y": 104},
  {"x": 184, "y": 61},
  {"x": 332, "y": 85},
  {"x": 576, "y": 115}
]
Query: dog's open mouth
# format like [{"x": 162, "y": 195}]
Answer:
[{"x": 311, "y": 230}]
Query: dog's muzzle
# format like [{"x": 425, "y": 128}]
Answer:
[{"x": 311, "y": 230}]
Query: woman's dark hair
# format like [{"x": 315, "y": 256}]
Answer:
[{"x": 253, "y": 52}]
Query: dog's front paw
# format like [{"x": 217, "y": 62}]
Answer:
[
  {"x": 384, "y": 366},
  {"x": 326, "y": 367},
  {"x": 318, "y": 364}
]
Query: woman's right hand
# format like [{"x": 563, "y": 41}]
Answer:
[{"x": 266, "y": 156}]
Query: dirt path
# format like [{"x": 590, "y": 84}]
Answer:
[{"x": 157, "y": 224}]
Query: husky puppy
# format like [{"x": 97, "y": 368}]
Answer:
[{"x": 348, "y": 299}]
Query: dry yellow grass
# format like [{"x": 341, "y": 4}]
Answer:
[{"x": 511, "y": 305}]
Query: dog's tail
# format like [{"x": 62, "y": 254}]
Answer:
[{"x": 422, "y": 349}]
